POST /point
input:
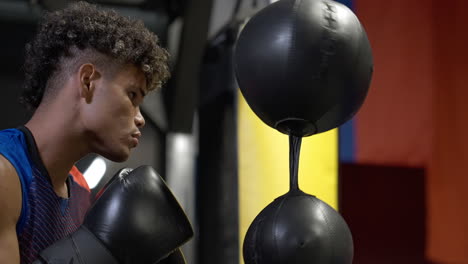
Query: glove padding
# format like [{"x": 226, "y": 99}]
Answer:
[{"x": 135, "y": 219}]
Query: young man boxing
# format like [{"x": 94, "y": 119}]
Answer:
[{"x": 87, "y": 72}]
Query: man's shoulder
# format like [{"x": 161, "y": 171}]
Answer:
[
  {"x": 6, "y": 167},
  {"x": 11, "y": 189},
  {"x": 14, "y": 150},
  {"x": 13, "y": 145},
  {"x": 10, "y": 131},
  {"x": 11, "y": 136}
]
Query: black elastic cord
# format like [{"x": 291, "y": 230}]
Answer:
[{"x": 294, "y": 153}]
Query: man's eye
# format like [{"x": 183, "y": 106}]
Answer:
[{"x": 131, "y": 95}]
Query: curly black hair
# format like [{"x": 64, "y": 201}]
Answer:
[{"x": 85, "y": 28}]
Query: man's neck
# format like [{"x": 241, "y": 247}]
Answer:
[{"x": 59, "y": 144}]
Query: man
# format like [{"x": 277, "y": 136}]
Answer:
[{"x": 87, "y": 72}]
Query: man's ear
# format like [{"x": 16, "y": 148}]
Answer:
[{"x": 88, "y": 75}]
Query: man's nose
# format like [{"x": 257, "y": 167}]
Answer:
[{"x": 139, "y": 119}]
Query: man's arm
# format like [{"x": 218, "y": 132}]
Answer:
[{"x": 10, "y": 204}]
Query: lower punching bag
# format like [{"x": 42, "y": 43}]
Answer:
[
  {"x": 304, "y": 67},
  {"x": 298, "y": 228}
]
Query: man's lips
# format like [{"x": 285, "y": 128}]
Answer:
[
  {"x": 135, "y": 141},
  {"x": 136, "y": 138}
]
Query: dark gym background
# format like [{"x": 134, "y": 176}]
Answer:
[{"x": 403, "y": 159}]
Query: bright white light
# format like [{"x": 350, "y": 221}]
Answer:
[
  {"x": 95, "y": 171},
  {"x": 272, "y": 1},
  {"x": 182, "y": 142}
]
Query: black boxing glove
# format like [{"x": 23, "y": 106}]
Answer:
[
  {"x": 176, "y": 257},
  {"x": 135, "y": 219}
]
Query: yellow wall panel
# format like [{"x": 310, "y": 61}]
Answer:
[{"x": 264, "y": 166}]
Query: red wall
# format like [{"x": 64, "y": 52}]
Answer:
[
  {"x": 416, "y": 114},
  {"x": 448, "y": 167},
  {"x": 394, "y": 124}
]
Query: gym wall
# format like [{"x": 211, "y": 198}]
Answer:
[{"x": 411, "y": 132}]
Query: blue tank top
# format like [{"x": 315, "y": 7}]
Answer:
[{"x": 45, "y": 216}]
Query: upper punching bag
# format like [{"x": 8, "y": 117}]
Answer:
[{"x": 304, "y": 66}]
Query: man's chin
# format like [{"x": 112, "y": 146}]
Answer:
[{"x": 118, "y": 157}]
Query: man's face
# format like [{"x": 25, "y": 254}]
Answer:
[{"x": 112, "y": 118}]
